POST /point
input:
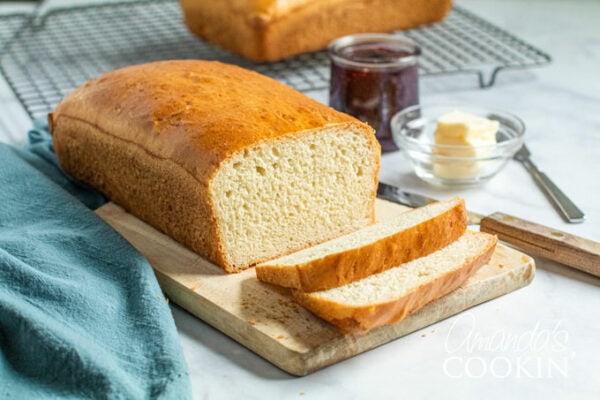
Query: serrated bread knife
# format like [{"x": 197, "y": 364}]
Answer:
[{"x": 565, "y": 248}]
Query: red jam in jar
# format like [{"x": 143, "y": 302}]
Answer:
[{"x": 373, "y": 76}]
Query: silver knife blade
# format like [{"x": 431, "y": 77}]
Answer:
[{"x": 397, "y": 195}]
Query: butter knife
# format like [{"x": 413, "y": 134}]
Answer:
[
  {"x": 565, "y": 248},
  {"x": 567, "y": 209}
]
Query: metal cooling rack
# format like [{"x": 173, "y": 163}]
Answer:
[
  {"x": 10, "y": 24},
  {"x": 62, "y": 48}
]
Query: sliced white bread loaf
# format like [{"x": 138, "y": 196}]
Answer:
[
  {"x": 386, "y": 298},
  {"x": 234, "y": 165},
  {"x": 369, "y": 250}
]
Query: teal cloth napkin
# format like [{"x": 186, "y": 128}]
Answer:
[{"x": 81, "y": 313}]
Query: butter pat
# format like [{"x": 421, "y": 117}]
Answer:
[{"x": 467, "y": 131}]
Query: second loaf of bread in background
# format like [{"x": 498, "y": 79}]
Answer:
[{"x": 267, "y": 30}]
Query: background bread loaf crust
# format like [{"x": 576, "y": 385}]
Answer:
[
  {"x": 268, "y": 30},
  {"x": 153, "y": 138}
]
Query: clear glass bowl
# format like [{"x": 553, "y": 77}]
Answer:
[{"x": 413, "y": 131}]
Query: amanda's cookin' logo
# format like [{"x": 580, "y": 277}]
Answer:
[{"x": 538, "y": 353}]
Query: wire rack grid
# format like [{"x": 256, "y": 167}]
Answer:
[
  {"x": 10, "y": 25},
  {"x": 60, "y": 49}
]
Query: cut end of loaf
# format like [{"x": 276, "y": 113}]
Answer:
[
  {"x": 285, "y": 195},
  {"x": 388, "y": 297}
]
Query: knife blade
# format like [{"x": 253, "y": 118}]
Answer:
[{"x": 565, "y": 248}]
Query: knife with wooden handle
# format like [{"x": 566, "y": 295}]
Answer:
[{"x": 565, "y": 248}]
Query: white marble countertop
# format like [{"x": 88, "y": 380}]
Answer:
[{"x": 539, "y": 342}]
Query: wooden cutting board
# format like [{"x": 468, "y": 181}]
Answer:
[{"x": 265, "y": 319}]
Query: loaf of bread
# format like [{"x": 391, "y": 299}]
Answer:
[
  {"x": 388, "y": 297},
  {"x": 232, "y": 164},
  {"x": 266, "y": 30},
  {"x": 369, "y": 250}
]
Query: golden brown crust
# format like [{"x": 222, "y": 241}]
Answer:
[
  {"x": 360, "y": 319},
  {"x": 187, "y": 110},
  {"x": 270, "y": 30},
  {"x": 344, "y": 267},
  {"x": 152, "y": 136}
]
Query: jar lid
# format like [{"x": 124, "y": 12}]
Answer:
[{"x": 374, "y": 51}]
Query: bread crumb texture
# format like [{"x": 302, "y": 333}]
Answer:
[{"x": 271, "y": 197}]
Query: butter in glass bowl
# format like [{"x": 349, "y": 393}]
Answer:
[
  {"x": 466, "y": 136},
  {"x": 457, "y": 145}
]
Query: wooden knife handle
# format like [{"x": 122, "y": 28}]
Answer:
[{"x": 571, "y": 250}]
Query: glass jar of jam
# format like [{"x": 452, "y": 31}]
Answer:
[{"x": 373, "y": 76}]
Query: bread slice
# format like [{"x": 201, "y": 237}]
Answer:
[
  {"x": 369, "y": 250},
  {"x": 386, "y": 298}
]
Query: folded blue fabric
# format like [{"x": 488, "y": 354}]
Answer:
[{"x": 81, "y": 313}]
